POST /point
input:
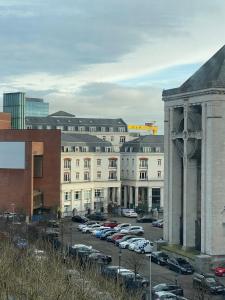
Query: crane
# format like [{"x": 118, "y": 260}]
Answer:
[{"x": 149, "y": 126}]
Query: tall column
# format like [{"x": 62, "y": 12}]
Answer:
[
  {"x": 125, "y": 196},
  {"x": 119, "y": 196},
  {"x": 161, "y": 197},
  {"x": 113, "y": 194},
  {"x": 81, "y": 201},
  {"x": 136, "y": 197},
  {"x": 131, "y": 195},
  {"x": 149, "y": 199}
]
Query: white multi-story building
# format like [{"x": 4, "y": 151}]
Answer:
[
  {"x": 142, "y": 173},
  {"x": 90, "y": 174},
  {"x": 114, "y": 131}
]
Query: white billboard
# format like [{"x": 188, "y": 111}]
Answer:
[{"x": 12, "y": 155}]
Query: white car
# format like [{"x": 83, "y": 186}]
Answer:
[
  {"x": 130, "y": 213},
  {"x": 81, "y": 226},
  {"x": 122, "y": 226},
  {"x": 90, "y": 228},
  {"x": 99, "y": 229},
  {"x": 165, "y": 296},
  {"x": 144, "y": 246},
  {"x": 139, "y": 230},
  {"x": 126, "y": 244}
]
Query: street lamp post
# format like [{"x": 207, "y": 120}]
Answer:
[
  {"x": 120, "y": 255},
  {"x": 150, "y": 276}
]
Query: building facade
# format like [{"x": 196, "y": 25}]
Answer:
[
  {"x": 195, "y": 160},
  {"x": 142, "y": 173},
  {"x": 90, "y": 174},
  {"x": 112, "y": 130},
  {"x": 29, "y": 170},
  {"x": 20, "y": 106}
]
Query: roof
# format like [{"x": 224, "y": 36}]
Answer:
[
  {"x": 151, "y": 141},
  {"x": 61, "y": 113},
  {"x": 76, "y": 139},
  {"x": 210, "y": 75}
]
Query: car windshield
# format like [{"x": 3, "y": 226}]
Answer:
[
  {"x": 182, "y": 261},
  {"x": 162, "y": 254}
]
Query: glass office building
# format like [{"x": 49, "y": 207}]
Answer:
[
  {"x": 20, "y": 106},
  {"x": 14, "y": 103},
  {"x": 35, "y": 107}
]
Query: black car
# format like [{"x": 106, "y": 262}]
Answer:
[
  {"x": 110, "y": 271},
  {"x": 132, "y": 280},
  {"x": 167, "y": 287},
  {"x": 180, "y": 265},
  {"x": 97, "y": 217},
  {"x": 208, "y": 283},
  {"x": 101, "y": 258},
  {"x": 145, "y": 219},
  {"x": 159, "y": 258},
  {"x": 79, "y": 219}
]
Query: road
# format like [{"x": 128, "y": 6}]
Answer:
[{"x": 130, "y": 259}]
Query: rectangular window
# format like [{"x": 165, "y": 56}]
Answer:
[
  {"x": 159, "y": 161},
  {"x": 112, "y": 163},
  {"x": 112, "y": 175},
  {"x": 157, "y": 149},
  {"x": 122, "y": 139},
  {"x": 48, "y": 127},
  {"x": 99, "y": 193},
  {"x": 86, "y": 176},
  {"x": 67, "y": 177},
  {"x": 67, "y": 163},
  {"x": 81, "y": 128},
  {"x": 143, "y": 163},
  {"x": 92, "y": 129},
  {"x": 87, "y": 163},
  {"x": 87, "y": 195},
  {"x": 38, "y": 165},
  {"x": 98, "y": 149},
  {"x": 121, "y": 129},
  {"x": 108, "y": 149},
  {"x": 147, "y": 149},
  {"x": 77, "y": 162},
  {"x": 104, "y": 138},
  {"x": 70, "y": 128},
  {"x": 77, "y": 176},
  {"x": 67, "y": 196},
  {"x": 77, "y": 195},
  {"x": 143, "y": 175},
  {"x": 60, "y": 127},
  {"x": 110, "y": 129},
  {"x": 99, "y": 162},
  {"x": 112, "y": 138},
  {"x": 159, "y": 173},
  {"x": 103, "y": 129},
  {"x": 99, "y": 175},
  {"x": 85, "y": 149}
]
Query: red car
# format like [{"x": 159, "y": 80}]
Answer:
[
  {"x": 220, "y": 270},
  {"x": 110, "y": 224}
]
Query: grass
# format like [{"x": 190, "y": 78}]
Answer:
[{"x": 177, "y": 249}]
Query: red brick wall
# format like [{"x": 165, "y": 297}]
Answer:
[
  {"x": 5, "y": 120},
  {"x": 16, "y": 185}
]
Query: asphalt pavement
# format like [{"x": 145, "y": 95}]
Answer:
[{"x": 131, "y": 260}]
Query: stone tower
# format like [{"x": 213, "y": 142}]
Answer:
[{"x": 195, "y": 160}]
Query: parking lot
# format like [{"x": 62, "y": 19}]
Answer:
[{"x": 133, "y": 260}]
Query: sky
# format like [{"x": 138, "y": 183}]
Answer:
[{"x": 106, "y": 58}]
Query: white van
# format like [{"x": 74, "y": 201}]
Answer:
[{"x": 143, "y": 246}]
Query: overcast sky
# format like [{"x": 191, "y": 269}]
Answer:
[{"x": 106, "y": 58}]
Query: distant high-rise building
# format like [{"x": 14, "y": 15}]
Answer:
[
  {"x": 20, "y": 106},
  {"x": 14, "y": 103},
  {"x": 36, "y": 107}
]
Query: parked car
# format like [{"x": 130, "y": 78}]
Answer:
[
  {"x": 130, "y": 214},
  {"x": 157, "y": 223},
  {"x": 125, "y": 244},
  {"x": 130, "y": 280},
  {"x": 180, "y": 265},
  {"x": 209, "y": 283},
  {"x": 145, "y": 219},
  {"x": 220, "y": 270},
  {"x": 110, "y": 271},
  {"x": 165, "y": 296},
  {"x": 97, "y": 216},
  {"x": 88, "y": 229},
  {"x": 122, "y": 226},
  {"x": 114, "y": 237},
  {"x": 88, "y": 223},
  {"x": 79, "y": 219},
  {"x": 123, "y": 239},
  {"x": 167, "y": 287},
  {"x": 159, "y": 258},
  {"x": 110, "y": 224},
  {"x": 53, "y": 224},
  {"x": 138, "y": 230},
  {"x": 99, "y": 232},
  {"x": 143, "y": 246},
  {"x": 99, "y": 257},
  {"x": 107, "y": 233}
]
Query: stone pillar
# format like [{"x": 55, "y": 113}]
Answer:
[
  {"x": 125, "y": 196},
  {"x": 136, "y": 197},
  {"x": 113, "y": 194},
  {"x": 161, "y": 197},
  {"x": 149, "y": 199},
  {"x": 119, "y": 196},
  {"x": 131, "y": 194}
]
